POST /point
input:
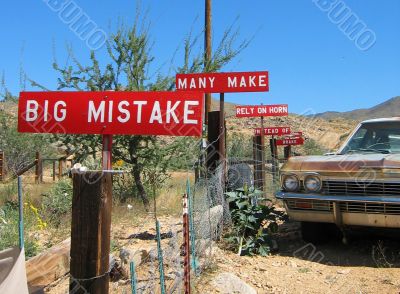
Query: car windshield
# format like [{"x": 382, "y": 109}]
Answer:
[{"x": 375, "y": 137}]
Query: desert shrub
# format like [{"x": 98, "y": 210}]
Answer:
[
  {"x": 311, "y": 147},
  {"x": 57, "y": 202},
  {"x": 239, "y": 146},
  {"x": 8, "y": 192},
  {"x": 253, "y": 224},
  {"x": 9, "y": 226},
  {"x": 123, "y": 188},
  {"x": 20, "y": 148}
]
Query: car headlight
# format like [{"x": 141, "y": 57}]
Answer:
[
  {"x": 290, "y": 183},
  {"x": 312, "y": 184}
]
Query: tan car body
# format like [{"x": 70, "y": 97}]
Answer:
[{"x": 357, "y": 189}]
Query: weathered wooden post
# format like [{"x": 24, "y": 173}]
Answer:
[
  {"x": 90, "y": 232},
  {"x": 39, "y": 168},
  {"x": 274, "y": 158},
  {"x": 287, "y": 151},
  {"x": 186, "y": 245},
  {"x": 213, "y": 138},
  {"x": 259, "y": 167},
  {"x": 92, "y": 191},
  {"x": 60, "y": 168},
  {"x": 54, "y": 170}
]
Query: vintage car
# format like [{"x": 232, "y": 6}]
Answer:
[{"x": 357, "y": 186}]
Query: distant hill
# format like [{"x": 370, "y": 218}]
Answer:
[
  {"x": 388, "y": 108},
  {"x": 329, "y": 133}
]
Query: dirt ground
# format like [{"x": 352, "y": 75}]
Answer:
[{"x": 368, "y": 264}]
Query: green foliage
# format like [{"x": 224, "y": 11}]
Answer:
[
  {"x": 9, "y": 224},
  {"x": 239, "y": 146},
  {"x": 8, "y": 192},
  {"x": 311, "y": 147},
  {"x": 128, "y": 68},
  {"x": 57, "y": 202},
  {"x": 20, "y": 148},
  {"x": 253, "y": 224}
]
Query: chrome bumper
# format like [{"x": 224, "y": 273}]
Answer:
[
  {"x": 369, "y": 199},
  {"x": 373, "y": 211}
]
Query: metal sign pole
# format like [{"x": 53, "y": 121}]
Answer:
[
  {"x": 222, "y": 137},
  {"x": 106, "y": 153},
  {"x": 21, "y": 213},
  {"x": 262, "y": 155}
]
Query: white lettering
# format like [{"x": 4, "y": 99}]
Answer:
[
  {"x": 202, "y": 83},
  {"x": 31, "y": 112},
  {"x": 96, "y": 113},
  {"x": 182, "y": 84},
  {"x": 243, "y": 82},
  {"x": 123, "y": 111},
  {"x": 262, "y": 80},
  {"x": 110, "y": 110},
  {"x": 251, "y": 81},
  {"x": 46, "y": 109},
  {"x": 139, "y": 110},
  {"x": 192, "y": 84},
  {"x": 63, "y": 111},
  {"x": 156, "y": 113},
  {"x": 211, "y": 79},
  {"x": 187, "y": 112},
  {"x": 171, "y": 112},
  {"x": 232, "y": 82}
]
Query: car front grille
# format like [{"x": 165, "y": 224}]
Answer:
[
  {"x": 361, "y": 188},
  {"x": 302, "y": 204},
  {"x": 379, "y": 208},
  {"x": 345, "y": 206}
]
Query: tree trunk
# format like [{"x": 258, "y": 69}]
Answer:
[{"x": 139, "y": 184}]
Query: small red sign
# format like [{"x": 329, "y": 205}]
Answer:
[
  {"x": 123, "y": 113},
  {"x": 273, "y": 131},
  {"x": 224, "y": 82},
  {"x": 262, "y": 110},
  {"x": 295, "y": 134},
  {"x": 290, "y": 141}
]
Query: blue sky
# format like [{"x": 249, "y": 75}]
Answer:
[{"x": 312, "y": 63}]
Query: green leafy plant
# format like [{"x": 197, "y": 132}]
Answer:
[
  {"x": 9, "y": 228},
  {"x": 57, "y": 202},
  {"x": 253, "y": 224}
]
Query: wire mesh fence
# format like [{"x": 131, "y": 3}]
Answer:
[{"x": 134, "y": 231}]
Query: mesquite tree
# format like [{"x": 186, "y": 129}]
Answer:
[{"x": 129, "y": 52}]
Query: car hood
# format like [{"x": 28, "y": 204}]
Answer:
[{"x": 343, "y": 163}]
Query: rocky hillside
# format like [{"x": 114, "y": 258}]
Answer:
[
  {"x": 329, "y": 133},
  {"x": 388, "y": 108}
]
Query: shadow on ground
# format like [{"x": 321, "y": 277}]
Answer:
[{"x": 370, "y": 248}]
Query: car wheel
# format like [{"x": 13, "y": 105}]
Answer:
[{"x": 316, "y": 233}]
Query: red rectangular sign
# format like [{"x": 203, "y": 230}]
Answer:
[
  {"x": 262, "y": 110},
  {"x": 273, "y": 131},
  {"x": 256, "y": 81},
  {"x": 290, "y": 141},
  {"x": 120, "y": 113},
  {"x": 295, "y": 134}
]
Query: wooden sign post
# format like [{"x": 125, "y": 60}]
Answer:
[
  {"x": 108, "y": 114},
  {"x": 262, "y": 111},
  {"x": 230, "y": 82}
]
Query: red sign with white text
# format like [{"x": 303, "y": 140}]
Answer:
[
  {"x": 224, "y": 82},
  {"x": 290, "y": 141},
  {"x": 119, "y": 113},
  {"x": 295, "y": 134},
  {"x": 273, "y": 131},
  {"x": 262, "y": 110}
]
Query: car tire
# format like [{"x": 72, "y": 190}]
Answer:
[{"x": 316, "y": 233}]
